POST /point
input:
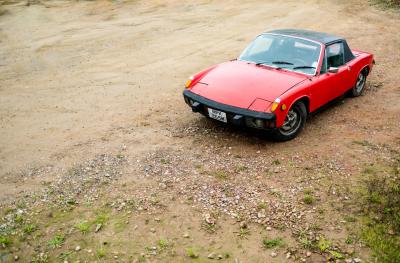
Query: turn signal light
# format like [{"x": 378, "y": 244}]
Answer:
[
  {"x": 189, "y": 82},
  {"x": 275, "y": 104}
]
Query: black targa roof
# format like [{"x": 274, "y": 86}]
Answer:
[{"x": 313, "y": 35}]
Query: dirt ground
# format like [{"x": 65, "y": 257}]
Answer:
[{"x": 93, "y": 125}]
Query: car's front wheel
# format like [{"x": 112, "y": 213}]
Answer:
[
  {"x": 294, "y": 123},
  {"x": 360, "y": 84}
]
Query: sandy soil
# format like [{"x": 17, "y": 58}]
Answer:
[{"x": 80, "y": 79}]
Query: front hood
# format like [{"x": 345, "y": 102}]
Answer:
[{"x": 239, "y": 84}]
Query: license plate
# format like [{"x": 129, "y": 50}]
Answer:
[{"x": 218, "y": 115}]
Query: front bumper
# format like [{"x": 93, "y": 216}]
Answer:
[{"x": 236, "y": 116}]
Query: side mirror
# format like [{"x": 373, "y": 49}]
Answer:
[{"x": 333, "y": 70}]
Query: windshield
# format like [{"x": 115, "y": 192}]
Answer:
[{"x": 286, "y": 52}]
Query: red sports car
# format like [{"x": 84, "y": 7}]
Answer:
[{"x": 278, "y": 80}]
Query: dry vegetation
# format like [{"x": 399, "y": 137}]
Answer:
[{"x": 101, "y": 160}]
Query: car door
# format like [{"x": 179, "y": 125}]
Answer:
[{"x": 333, "y": 79}]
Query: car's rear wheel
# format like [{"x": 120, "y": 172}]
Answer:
[
  {"x": 294, "y": 123},
  {"x": 360, "y": 84}
]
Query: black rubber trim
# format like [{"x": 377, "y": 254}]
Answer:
[{"x": 227, "y": 108}]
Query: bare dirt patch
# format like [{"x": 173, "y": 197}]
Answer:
[{"x": 101, "y": 160}]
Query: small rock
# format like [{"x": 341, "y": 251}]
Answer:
[
  {"x": 211, "y": 256},
  {"x": 157, "y": 219},
  {"x": 288, "y": 255},
  {"x": 268, "y": 228},
  {"x": 308, "y": 254},
  {"x": 186, "y": 235},
  {"x": 220, "y": 256},
  {"x": 152, "y": 230},
  {"x": 357, "y": 260},
  {"x": 16, "y": 258},
  {"x": 98, "y": 227},
  {"x": 273, "y": 254},
  {"x": 209, "y": 220},
  {"x": 260, "y": 215},
  {"x": 78, "y": 248},
  {"x": 243, "y": 225},
  {"x": 115, "y": 257}
]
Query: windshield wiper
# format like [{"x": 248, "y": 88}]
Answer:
[
  {"x": 300, "y": 67},
  {"x": 261, "y": 63},
  {"x": 282, "y": 62}
]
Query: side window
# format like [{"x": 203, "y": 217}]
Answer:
[{"x": 334, "y": 54}]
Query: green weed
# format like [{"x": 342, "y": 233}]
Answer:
[
  {"x": 57, "y": 241},
  {"x": 190, "y": 252},
  {"x": 271, "y": 243},
  {"x": 308, "y": 199}
]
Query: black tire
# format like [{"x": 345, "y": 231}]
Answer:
[
  {"x": 358, "y": 88},
  {"x": 294, "y": 123}
]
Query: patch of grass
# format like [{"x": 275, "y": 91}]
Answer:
[
  {"x": 395, "y": 4},
  {"x": 261, "y": 205},
  {"x": 242, "y": 168},
  {"x": 349, "y": 240},
  {"x": 276, "y": 162},
  {"x": 386, "y": 248},
  {"x": 336, "y": 254},
  {"x": 64, "y": 256},
  {"x": 271, "y": 243},
  {"x": 363, "y": 143},
  {"x": 29, "y": 229},
  {"x": 40, "y": 258},
  {"x": 210, "y": 228},
  {"x": 308, "y": 199},
  {"x": 162, "y": 243},
  {"x": 219, "y": 174},
  {"x": 190, "y": 252},
  {"x": 308, "y": 191},
  {"x": 101, "y": 218},
  {"x": 243, "y": 232},
  {"x": 101, "y": 252},
  {"x": 306, "y": 242},
  {"x": 381, "y": 202},
  {"x": 19, "y": 219},
  {"x": 350, "y": 219},
  {"x": 165, "y": 161},
  {"x": 83, "y": 226},
  {"x": 56, "y": 242},
  {"x": 5, "y": 241},
  {"x": 323, "y": 244}
]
